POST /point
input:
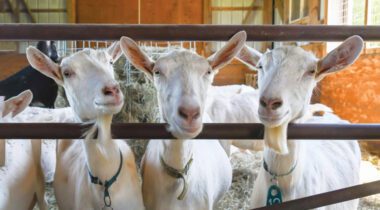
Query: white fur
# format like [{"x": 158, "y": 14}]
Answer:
[
  {"x": 21, "y": 178},
  {"x": 289, "y": 74},
  {"x": 85, "y": 75},
  {"x": 48, "y": 147},
  {"x": 182, "y": 79}
]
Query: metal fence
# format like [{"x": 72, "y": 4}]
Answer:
[{"x": 235, "y": 131}]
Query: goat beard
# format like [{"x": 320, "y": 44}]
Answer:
[{"x": 276, "y": 138}]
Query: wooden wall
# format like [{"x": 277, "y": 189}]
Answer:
[
  {"x": 110, "y": 11},
  {"x": 11, "y": 63},
  {"x": 127, "y": 11}
]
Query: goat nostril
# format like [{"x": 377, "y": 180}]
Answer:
[
  {"x": 181, "y": 113},
  {"x": 276, "y": 105},
  {"x": 262, "y": 103},
  {"x": 196, "y": 114}
]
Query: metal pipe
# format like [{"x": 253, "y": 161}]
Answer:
[
  {"x": 328, "y": 198},
  {"x": 210, "y": 131},
  {"x": 195, "y": 32}
]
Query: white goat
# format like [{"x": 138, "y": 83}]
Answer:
[
  {"x": 287, "y": 76},
  {"x": 184, "y": 173},
  {"x": 92, "y": 174},
  {"x": 21, "y": 178},
  {"x": 48, "y": 147}
]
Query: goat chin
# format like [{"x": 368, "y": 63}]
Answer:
[{"x": 276, "y": 138}]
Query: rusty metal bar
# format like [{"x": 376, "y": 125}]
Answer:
[
  {"x": 195, "y": 32},
  {"x": 210, "y": 131},
  {"x": 329, "y": 198}
]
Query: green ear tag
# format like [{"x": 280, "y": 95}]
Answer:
[{"x": 274, "y": 195}]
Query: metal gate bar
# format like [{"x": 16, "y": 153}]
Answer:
[
  {"x": 328, "y": 198},
  {"x": 194, "y": 32},
  {"x": 210, "y": 131}
]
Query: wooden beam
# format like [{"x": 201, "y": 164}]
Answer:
[
  {"x": 245, "y": 20},
  {"x": 28, "y": 11},
  {"x": 71, "y": 11},
  {"x": 281, "y": 9},
  {"x": 207, "y": 13},
  {"x": 38, "y": 10},
  {"x": 251, "y": 8},
  {"x": 314, "y": 12},
  {"x": 267, "y": 19},
  {"x": 12, "y": 10}
]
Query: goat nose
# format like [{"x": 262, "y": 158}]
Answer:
[
  {"x": 111, "y": 90},
  {"x": 272, "y": 104},
  {"x": 189, "y": 113}
]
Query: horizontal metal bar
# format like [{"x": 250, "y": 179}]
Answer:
[
  {"x": 173, "y": 32},
  {"x": 210, "y": 131},
  {"x": 329, "y": 198}
]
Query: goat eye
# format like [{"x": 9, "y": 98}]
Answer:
[
  {"x": 156, "y": 72},
  {"x": 111, "y": 62},
  {"x": 209, "y": 72},
  {"x": 67, "y": 74},
  {"x": 311, "y": 72}
]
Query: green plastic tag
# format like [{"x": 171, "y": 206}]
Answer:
[{"x": 274, "y": 195}]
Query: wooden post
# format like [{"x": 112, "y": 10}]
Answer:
[
  {"x": 71, "y": 11},
  {"x": 267, "y": 19}
]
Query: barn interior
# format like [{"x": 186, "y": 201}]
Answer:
[{"x": 353, "y": 94}]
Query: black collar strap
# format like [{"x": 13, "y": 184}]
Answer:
[
  {"x": 107, "y": 183},
  {"x": 278, "y": 175},
  {"x": 178, "y": 174}
]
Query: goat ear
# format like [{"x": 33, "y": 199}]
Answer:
[
  {"x": 341, "y": 57},
  {"x": 136, "y": 56},
  {"x": 114, "y": 51},
  {"x": 44, "y": 64},
  {"x": 228, "y": 51},
  {"x": 18, "y": 103},
  {"x": 249, "y": 56}
]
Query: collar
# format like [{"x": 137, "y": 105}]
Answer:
[
  {"x": 107, "y": 183},
  {"x": 178, "y": 174},
  {"x": 278, "y": 175}
]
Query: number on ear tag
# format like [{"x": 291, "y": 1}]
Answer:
[{"x": 274, "y": 195}]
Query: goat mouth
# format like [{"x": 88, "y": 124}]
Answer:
[
  {"x": 109, "y": 103},
  {"x": 187, "y": 132},
  {"x": 274, "y": 119}
]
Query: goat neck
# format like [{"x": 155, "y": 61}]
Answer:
[{"x": 102, "y": 152}]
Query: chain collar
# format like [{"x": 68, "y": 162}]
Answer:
[
  {"x": 278, "y": 175},
  {"x": 107, "y": 183},
  {"x": 178, "y": 174}
]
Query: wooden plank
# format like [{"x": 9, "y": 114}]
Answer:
[
  {"x": 233, "y": 73},
  {"x": 251, "y": 8},
  {"x": 207, "y": 13},
  {"x": 112, "y": 11},
  {"x": 172, "y": 12},
  {"x": 28, "y": 11},
  {"x": 11, "y": 63},
  {"x": 39, "y": 10},
  {"x": 314, "y": 12},
  {"x": 71, "y": 11},
  {"x": 267, "y": 19}
]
